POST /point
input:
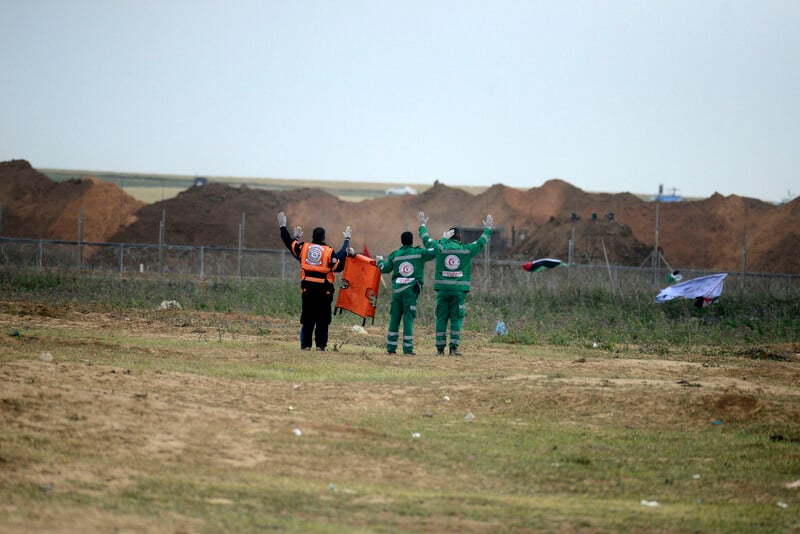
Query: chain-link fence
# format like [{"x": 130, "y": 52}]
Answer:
[
  {"x": 509, "y": 275},
  {"x": 134, "y": 259},
  {"x": 144, "y": 259}
]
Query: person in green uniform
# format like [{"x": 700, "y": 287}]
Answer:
[
  {"x": 407, "y": 265},
  {"x": 452, "y": 279}
]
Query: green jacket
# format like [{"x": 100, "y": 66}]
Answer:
[
  {"x": 454, "y": 259},
  {"x": 407, "y": 265}
]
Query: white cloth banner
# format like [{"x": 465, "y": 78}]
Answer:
[{"x": 707, "y": 287}]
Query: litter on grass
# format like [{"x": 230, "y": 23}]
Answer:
[{"x": 170, "y": 305}]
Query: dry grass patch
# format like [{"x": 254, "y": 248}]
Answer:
[{"x": 155, "y": 422}]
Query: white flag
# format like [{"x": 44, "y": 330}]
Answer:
[{"x": 707, "y": 288}]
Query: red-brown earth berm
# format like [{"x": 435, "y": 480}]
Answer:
[{"x": 529, "y": 223}]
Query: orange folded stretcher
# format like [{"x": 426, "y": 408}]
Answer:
[{"x": 358, "y": 292}]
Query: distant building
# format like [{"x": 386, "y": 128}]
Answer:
[
  {"x": 668, "y": 198},
  {"x": 661, "y": 197},
  {"x": 399, "y": 191},
  {"x": 200, "y": 180}
]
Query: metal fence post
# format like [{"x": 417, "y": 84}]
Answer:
[
  {"x": 202, "y": 261},
  {"x": 39, "y": 251},
  {"x": 121, "y": 256},
  {"x": 571, "y": 247},
  {"x": 656, "y": 259},
  {"x": 488, "y": 257},
  {"x": 241, "y": 246},
  {"x": 161, "y": 233},
  {"x": 80, "y": 241}
]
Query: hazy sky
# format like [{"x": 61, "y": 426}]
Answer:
[{"x": 700, "y": 96}]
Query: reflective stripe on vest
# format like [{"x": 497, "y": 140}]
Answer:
[{"x": 315, "y": 263}]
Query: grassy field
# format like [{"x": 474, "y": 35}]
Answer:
[
  {"x": 152, "y": 188},
  {"x": 120, "y": 416}
]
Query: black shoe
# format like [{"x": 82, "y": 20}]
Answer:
[
  {"x": 440, "y": 351},
  {"x": 320, "y": 349},
  {"x": 409, "y": 354},
  {"x": 454, "y": 351},
  {"x": 391, "y": 352},
  {"x": 306, "y": 348}
]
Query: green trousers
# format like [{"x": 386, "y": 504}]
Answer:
[
  {"x": 450, "y": 306},
  {"x": 404, "y": 308}
]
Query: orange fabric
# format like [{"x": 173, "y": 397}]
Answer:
[
  {"x": 315, "y": 263},
  {"x": 358, "y": 293}
]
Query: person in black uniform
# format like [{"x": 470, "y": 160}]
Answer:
[{"x": 318, "y": 266}]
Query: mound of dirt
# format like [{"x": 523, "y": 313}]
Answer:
[
  {"x": 537, "y": 222},
  {"x": 713, "y": 233},
  {"x": 211, "y": 215},
  {"x": 36, "y": 207},
  {"x": 599, "y": 239}
]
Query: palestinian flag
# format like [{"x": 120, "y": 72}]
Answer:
[
  {"x": 542, "y": 264},
  {"x": 674, "y": 276}
]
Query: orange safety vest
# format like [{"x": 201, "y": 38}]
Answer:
[{"x": 315, "y": 263}]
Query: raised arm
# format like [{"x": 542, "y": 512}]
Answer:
[
  {"x": 427, "y": 242},
  {"x": 287, "y": 239},
  {"x": 342, "y": 252},
  {"x": 477, "y": 246}
]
